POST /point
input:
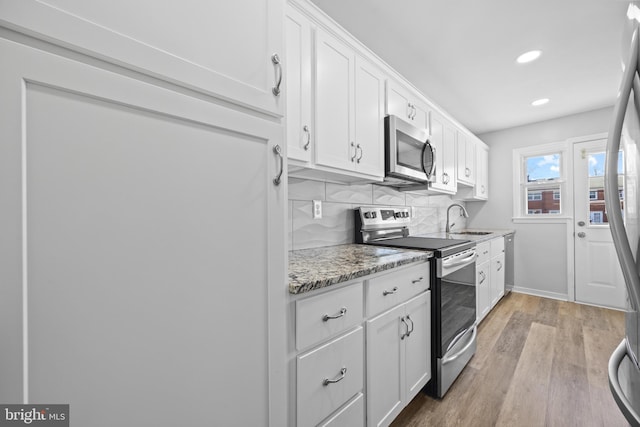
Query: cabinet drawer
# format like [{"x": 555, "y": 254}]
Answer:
[
  {"x": 497, "y": 246},
  {"x": 340, "y": 360},
  {"x": 345, "y": 305},
  {"x": 351, "y": 415},
  {"x": 484, "y": 252},
  {"x": 396, "y": 287}
]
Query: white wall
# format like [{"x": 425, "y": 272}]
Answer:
[{"x": 541, "y": 262}]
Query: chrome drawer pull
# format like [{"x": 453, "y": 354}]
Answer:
[
  {"x": 412, "y": 326},
  {"x": 343, "y": 311},
  {"x": 417, "y": 280},
  {"x": 391, "y": 292},
  {"x": 406, "y": 334},
  {"x": 340, "y": 377}
]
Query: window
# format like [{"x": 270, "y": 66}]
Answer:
[
  {"x": 596, "y": 217},
  {"x": 539, "y": 182},
  {"x": 593, "y": 195},
  {"x": 534, "y": 195}
]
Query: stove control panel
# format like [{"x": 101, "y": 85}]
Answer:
[{"x": 383, "y": 217}]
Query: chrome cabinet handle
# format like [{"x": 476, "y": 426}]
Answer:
[
  {"x": 415, "y": 111},
  {"x": 582, "y": 234},
  {"x": 391, "y": 292},
  {"x": 482, "y": 189},
  {"x": 339, "y": 378},
  {"x": 406, "y": 334},
  {"x": 342, "y": 312},
  {"x": 355, "y": 151},
  {"x": 278, "y": 151},
  {"x": 467, "y": 172},
  {"x": 305, "y": 129},
  {"x": 412, "y": 326},
  {"x": 445, "y": 178},
  {"x": 276, "y": 61},
  {"x": 409, "y": 106},
  {"x": 358, "y": 147},
  {"x": 499, "y": 265},
  {"x": 417, "y": 280},
  {"x": 483, "y": 277}
]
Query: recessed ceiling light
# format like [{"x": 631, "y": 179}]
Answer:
[
  {"x": 540, "y": 101},
  {"x": 532, "y": 55}
]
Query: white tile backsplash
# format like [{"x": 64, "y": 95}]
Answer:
[{"x": 336, "y": 226}]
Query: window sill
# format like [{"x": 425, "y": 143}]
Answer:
[{"x": 555, "y": 219}]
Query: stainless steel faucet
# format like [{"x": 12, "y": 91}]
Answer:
[{"x": 463, "y": 212}]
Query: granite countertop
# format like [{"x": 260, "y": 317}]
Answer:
[{"x": 317, "y": 268}]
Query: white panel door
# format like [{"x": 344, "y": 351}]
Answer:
[
  {"x": 369, "y": 118},
  {"x": 298, "y": 85},
  {"x": 598, "y": 277},
  {"x": 126, "y": 283},
  {"x": 417, "y": 353},
  {"x": 385, "y": 367},
  {"x": 220, "y": 48},
  {"x": 335, "y": 144}
]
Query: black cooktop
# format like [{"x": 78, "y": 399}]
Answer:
[{"x": 425, "y": 243}]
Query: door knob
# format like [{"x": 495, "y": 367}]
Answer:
[{"x": 582, "y": 235}]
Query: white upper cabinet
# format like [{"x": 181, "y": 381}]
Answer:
[
  {"x": 466, "y": 152},
  {"x": 443, "y": 139},
  {"x": 298, "y": 84},
  {"x": 223, "y": 49},
  {"x": 481, "y": 188},
  {"x": 348, "y": 109},
  {"x": 407, "y": 105}
]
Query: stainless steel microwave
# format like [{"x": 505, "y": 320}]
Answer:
[{"x": 409, "y": 156}]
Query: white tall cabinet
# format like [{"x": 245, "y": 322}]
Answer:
[{"x": 124, "y": 283}]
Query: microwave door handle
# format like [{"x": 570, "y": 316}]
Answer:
[{"x": 432, "y": 169}]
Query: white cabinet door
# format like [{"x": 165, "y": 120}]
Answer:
[
  {"x": 385, "y": 367},
  {"x": 483, "y": 289},
  {"x": 219, "y": 48},
  {"x": 335, "y": 144},
  {"x": 497, "y": 278},
  {"x": 408, "y": 106},
  {"x": 115, "y": 246},
  {"x": 417, "y": 354},
  {"x": 443, "y": 138},
  {"x": 481, "y": 188},
  {"x": 466, "y": 158},
  {"x": 298, "y": 85},
  {"x": 369, "y": 118}
]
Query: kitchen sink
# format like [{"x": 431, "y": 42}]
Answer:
[{"x": 475, "y": 233}]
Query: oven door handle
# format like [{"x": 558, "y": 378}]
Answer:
[
  {"x": 456, "y": 263},
  {"x": 453, "y": 357}
]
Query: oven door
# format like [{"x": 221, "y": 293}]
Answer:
[
  {"x": 408, "y": 153},
  {"x": 457, "y": 306}
]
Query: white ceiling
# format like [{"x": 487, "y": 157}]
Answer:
[{"x": 461, "y": 53}]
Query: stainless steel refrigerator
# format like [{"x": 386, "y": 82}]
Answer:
[{"x": 624, "y": 134}]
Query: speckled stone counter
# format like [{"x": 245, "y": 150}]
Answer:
[
  {"x": 317, "y": 268},
  {"x": 455, "y": 234}
]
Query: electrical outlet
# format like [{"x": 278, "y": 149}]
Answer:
[{"x": 317, "y": 209}]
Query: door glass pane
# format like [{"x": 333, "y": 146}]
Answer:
[{"x": 597, "y": 212}]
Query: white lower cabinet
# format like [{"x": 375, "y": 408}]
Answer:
[
  {"x": 334, "y": 344},
  {"x": 398, "y": 358},
  {"x": 329, "y": 376},
  {"x": 489, "y": 275}
]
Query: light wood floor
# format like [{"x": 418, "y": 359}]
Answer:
[{"x": 540, "y": 362}]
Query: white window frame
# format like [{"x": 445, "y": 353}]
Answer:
[
  {"x": 594, "y": 193},
  {"x": 520, "y": 184}
]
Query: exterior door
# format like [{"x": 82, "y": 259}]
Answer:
[{"x": 598, "y": 277}]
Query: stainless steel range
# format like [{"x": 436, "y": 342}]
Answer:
[{"x": 453, "y": 291}]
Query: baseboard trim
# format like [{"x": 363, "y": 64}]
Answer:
[{"x": 539, "y": 293}]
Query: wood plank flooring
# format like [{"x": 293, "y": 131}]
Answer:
[{"x": 540, "y": 362}]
